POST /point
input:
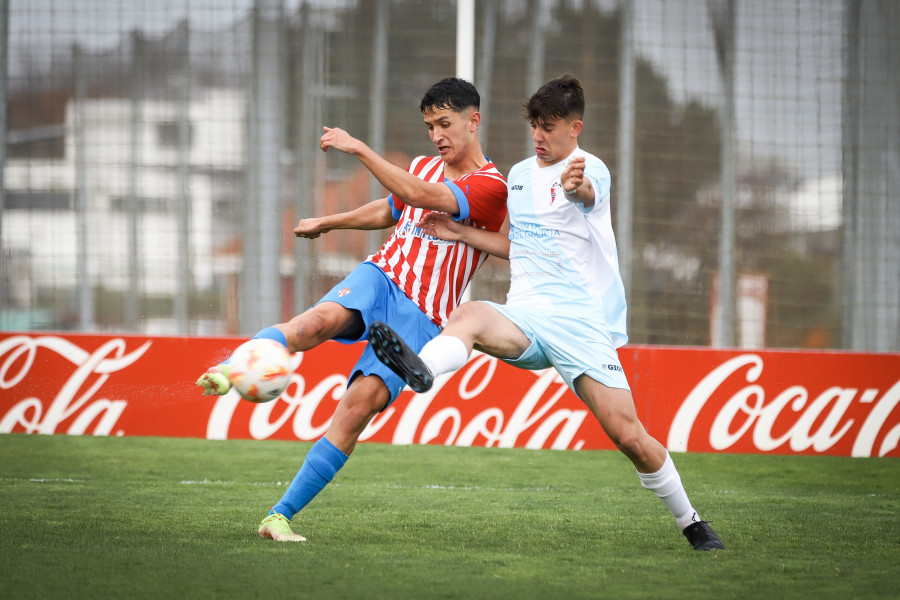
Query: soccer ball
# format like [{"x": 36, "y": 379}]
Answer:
[{"x": 260, "y": 370}]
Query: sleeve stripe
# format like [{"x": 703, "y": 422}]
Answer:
[
  {"x": 396, "y": 212},
  {"x": 461, "y": 199}
]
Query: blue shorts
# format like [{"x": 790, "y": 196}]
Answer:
[
  {"x": 573, "y": 344},
  {"x": 369, "y": 291}
]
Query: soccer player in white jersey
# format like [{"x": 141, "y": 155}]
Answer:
[
  {"x": 414, "y": 281},
  {"x": 566, "y": 302}
]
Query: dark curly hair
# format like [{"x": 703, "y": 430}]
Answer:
[
  {"x": 560, "y": 98},
  {"x": 453, "y": 93}
]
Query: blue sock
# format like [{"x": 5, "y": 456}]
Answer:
[
  {"x": 269, "y": 333},
  {"x": 322, "y": 463}
]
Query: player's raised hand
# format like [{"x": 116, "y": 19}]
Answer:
[
  {"x": 573, "y": 175},
  {"x": 440, "y": 225},
  {"x": 310, "y": 228},
  {"x": 337, "y": 138}
]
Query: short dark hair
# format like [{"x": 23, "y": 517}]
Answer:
[
  {"x": 453, "y": 93},
  {"x": 560, "y": 98}
]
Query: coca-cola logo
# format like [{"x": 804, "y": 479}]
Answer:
[
  {"x": 18, "y": 356},
  {"x": 536, "y": 415},
  {"x": 694, "y": 400},
  {"x": 818, "y": 423}
]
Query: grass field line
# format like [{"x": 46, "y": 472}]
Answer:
[
  {"x": 465, "y": 488},
  {"x": 43, "y": 479},
  {"x": 221, "y": 482},
  {"x": 375, "y": 485},
  {"x": 435, "y": 486}
]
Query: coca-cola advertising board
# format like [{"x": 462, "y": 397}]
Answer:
[{"x": 691, "y": 399}]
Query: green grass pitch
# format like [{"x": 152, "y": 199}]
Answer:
[{"x": 86, "y": 517}]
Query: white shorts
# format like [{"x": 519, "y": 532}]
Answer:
[{"x": 573, "y": 344}]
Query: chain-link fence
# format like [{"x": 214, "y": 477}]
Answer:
[{"x": 158, "y": 153}]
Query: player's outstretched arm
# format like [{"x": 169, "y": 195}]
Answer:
[
  {"x": 374, "y": 215},
  {"x": 442, "y": 225},
  {"x": 412, "y": 190}
]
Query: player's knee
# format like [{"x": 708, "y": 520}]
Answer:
[
  {"x": 366, "y": 397},
  {"x": 631, "y": 440},
  {"x": 306, "y": 331},
  {"x": 461, "y": 313},
  {"x": 469, "y": 317}
]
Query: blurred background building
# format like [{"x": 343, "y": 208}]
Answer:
[{"x": 158, "y": 153}]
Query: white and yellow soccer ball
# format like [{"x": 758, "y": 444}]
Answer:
[{"x": 260, "y": 370}]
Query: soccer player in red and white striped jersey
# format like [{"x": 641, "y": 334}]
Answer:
[
  {"x": 431, "y": 272},
  {"x": 413, "y": 282}
]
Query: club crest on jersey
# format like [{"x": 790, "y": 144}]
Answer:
[
  {"x": 343, "y": 292},
  {"x": 553, "y": 189}
]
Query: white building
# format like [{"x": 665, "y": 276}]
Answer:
[{"x": 41, "y": 221}]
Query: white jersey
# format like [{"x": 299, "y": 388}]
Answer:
[{"x": 562, "y": 255}]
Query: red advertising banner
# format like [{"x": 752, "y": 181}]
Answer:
[{"x": 690, "y": 399}]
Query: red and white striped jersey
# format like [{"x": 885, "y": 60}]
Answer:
[{"x": 432, "y": 272}]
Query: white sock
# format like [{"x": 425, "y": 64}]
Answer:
[
  {"x": 444, "y": 354},
  {"x": 666, "y": 484}
]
